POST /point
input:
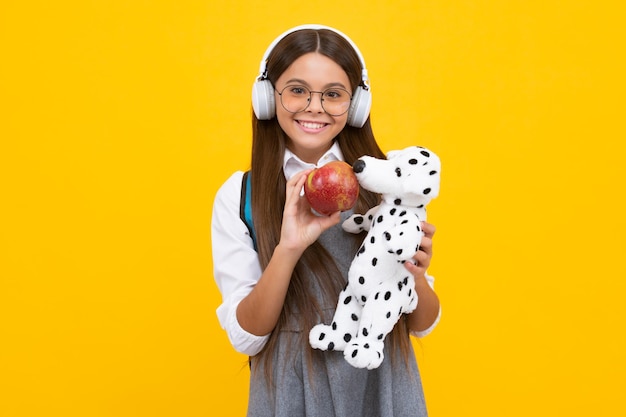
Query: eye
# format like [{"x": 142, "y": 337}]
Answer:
[
  {"x": 298, "y": 90},
  {"x": 335, "y": 94},
  {"x": 413, "y": 161}
]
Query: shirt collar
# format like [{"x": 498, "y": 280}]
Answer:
[{"x": 292, "y": 164}]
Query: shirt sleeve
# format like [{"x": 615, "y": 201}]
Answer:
[
  {"x": 431, "y": 282},
  {"x": 236, "y": 265}
]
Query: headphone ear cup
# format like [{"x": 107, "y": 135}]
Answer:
[
  {"x": 360, "y": 107},
  {"x": 263, "y": 101}
]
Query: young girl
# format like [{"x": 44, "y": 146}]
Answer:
[{"x": 311, "y": 106}]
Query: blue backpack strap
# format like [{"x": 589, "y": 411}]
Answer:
[{"x": 245, "y": 206}]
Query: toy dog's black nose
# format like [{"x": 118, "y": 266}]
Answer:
[{"x": 358, "y": 166}]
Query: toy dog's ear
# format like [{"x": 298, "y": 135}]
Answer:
[
  {"x": 424, "y": 190},
  {"x": 394, "y": 153},
  {"x": 427, "y": 186}
]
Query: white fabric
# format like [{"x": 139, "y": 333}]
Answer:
[
  {"x": 292, "y": 164},
  {"x": 236, "y": 265}
]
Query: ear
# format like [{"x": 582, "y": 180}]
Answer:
[{"x": 392, "y": 154}]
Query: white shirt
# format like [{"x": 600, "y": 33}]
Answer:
[{"x": 236, "y": 264}]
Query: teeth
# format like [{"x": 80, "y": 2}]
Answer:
[{"x": 310, "y": 125}]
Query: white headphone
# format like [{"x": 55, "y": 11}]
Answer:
[{"x": 263, "y": 101}]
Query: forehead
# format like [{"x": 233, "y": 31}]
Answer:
[{"x": 315, "y": 70}]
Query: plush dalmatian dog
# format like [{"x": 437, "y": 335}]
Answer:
[{"x": 380, "y": 289}]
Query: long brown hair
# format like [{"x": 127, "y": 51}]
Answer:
[{"x": 268, "y": 188}]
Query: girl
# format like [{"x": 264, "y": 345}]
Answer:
[{"x": 311, "y": 106}]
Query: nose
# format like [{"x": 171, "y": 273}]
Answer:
[
  {"x": 358, "y": 166},
  {"x": 316, "y": 105}
]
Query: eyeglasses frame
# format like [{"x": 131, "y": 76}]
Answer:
[{"x": 280, "y": 93}]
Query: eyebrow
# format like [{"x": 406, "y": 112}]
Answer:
[{"x": 301, "y": 81}]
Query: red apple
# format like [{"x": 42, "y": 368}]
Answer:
[{"x": 332, "y": 187}]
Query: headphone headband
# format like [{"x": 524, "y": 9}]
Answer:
[{"x": 263, "y": 66}]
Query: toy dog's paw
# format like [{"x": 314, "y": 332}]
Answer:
[
  {"x": 355, "y": 223},
  {"x": 324, "y": 337},
  {"x": 359, "y": 222},
  {"x": 366, "y": 354}
]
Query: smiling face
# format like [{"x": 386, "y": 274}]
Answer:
[{"x": 311, "y": 132}]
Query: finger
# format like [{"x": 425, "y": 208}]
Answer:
[
  {"x": 422, "y": 259},
  {"x": 428, "y": 229},
  {"x": 426, "y": 245},
  {"x": 299, "y": 176},
  {"x": 415, "y": 270},
  {"x": 329, "y": 221},
  {"x": 294, "y": 186},
  {"x": 296, "y": 182}
]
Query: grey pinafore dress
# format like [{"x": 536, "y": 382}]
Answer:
[{"x": 332, "y": 387}]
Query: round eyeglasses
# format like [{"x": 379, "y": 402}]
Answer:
[{"x": 297, "y": 98}]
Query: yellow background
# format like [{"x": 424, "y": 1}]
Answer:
[{"x": 120, "y": 119}]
